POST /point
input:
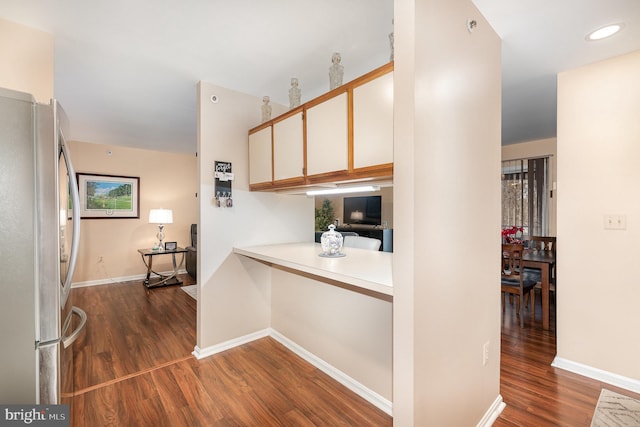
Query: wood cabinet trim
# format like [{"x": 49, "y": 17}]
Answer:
[
  {"x": 351, "y": 173},
  {"x": 372, "y": 75},
  {"x": 327, "y": 96},
  {"x": 288, "y": 114},
  {"x": 350, "y": 145},
  {"x": 273, "y": 161},
  {"x": 259, "y": 128}
]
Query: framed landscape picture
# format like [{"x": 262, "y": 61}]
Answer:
[{"x": 107, "y": 196}]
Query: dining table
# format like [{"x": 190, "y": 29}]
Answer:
[{"x": 545, "y": 261}]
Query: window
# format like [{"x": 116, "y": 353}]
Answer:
[{"x": 524, "y": 201}]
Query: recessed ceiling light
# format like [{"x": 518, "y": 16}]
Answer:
[{"x": 604, "y": 32}]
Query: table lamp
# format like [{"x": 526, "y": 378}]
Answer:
[
  {"x": 357, "y": 216},
  {"x": 160, "y": 217}
]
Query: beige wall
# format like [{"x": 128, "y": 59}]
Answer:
[
  {"x": 236, "y": 291},
  {"x": 29, "y": 52},
  {"x": 108, "y": 247},
  {"x": 539, "y": 148},
  {"x": 349, "y": 330},
  {"x": 598, "y": 174},
  {"x": 446, "y": 189}
]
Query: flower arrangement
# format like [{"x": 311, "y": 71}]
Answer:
[{"x": 512, "y": 235}]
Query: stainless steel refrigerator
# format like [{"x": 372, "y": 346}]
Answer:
[{"x": 39, "y": 237}]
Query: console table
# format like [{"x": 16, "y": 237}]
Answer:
[{"x": 162, "y": 279}]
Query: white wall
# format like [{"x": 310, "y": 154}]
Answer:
[
  {"x": 351, "y": 331},
  {"x": 235, "y": 291},
  {"x": 598, "y": 174},
  {"x": 446, "y": 214}
]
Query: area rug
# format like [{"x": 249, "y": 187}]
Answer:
[
  {"x": 191, "y": 290},
  {"x": 616, "y": 410}
]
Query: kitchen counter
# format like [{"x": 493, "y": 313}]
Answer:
[{"x": 369, "y": 270}]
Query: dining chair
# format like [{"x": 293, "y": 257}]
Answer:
[
  {"x": 361, "y": 242},
  {"x": 514, "y": 280},
  {"x": 545, "y": 244}
]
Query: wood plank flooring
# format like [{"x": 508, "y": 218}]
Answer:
[
  {"x": 131, "y": 329},
  {"x": 125, "y": 378},
  {"x": 134, "y": 368},
  {"x": 537, "y": 394}
]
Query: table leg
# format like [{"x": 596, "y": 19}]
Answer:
[
  {"x": 162, "y": 280},
  {"x": 149, "y": 265},
  {"x": 545, "y": 297},
  {"x": 175, "y": 267}
]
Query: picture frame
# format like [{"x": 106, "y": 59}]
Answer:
[
  {"x": 108, "y": 196},
  {"x": 170, "y": 246}
]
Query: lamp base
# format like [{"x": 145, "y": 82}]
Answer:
[{"x": 160, "y": 237}]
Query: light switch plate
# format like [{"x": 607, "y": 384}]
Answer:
[{"x": 615, "y": 222}]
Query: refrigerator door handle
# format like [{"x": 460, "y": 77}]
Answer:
[
  {"x": 67, "y": 340},
  {"x": 75, "y": 202}
]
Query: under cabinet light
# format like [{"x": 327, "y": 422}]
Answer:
[{"x": 342, "y": 190}]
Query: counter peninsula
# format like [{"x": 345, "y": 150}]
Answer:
[{"x": 368, "y": 270}]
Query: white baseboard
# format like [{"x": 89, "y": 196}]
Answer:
[
  {"x": 597, "y": 374},
  {"x": 121, "y": 279},
  {"x": 344, "y": 379},
  {"x": 493, "y": 412},
  {"x": 201, "y": 353},
  {"x": 353, "y": 385}
]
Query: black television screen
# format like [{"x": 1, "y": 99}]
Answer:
[{"x": 363, "y": 210}]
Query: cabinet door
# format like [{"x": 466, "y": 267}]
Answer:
[
  {"x": 373, "y": 122},
  {"x": 288, "y": 144},
  {"x": 260, "y": 166},
  {"x": 327, "y": 136}
]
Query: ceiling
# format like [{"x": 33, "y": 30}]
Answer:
[{"x": 126, "y": 71}]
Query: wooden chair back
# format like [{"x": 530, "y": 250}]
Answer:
[
  {"x": 513, "y": 280},
  {"x": 511, "y": 261},
  {"x": 542, "y": 243}
]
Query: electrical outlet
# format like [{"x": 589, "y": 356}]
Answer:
[{"x": 485, "y": 353}]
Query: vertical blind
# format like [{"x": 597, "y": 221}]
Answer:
[{"x": 524, "y": 187}]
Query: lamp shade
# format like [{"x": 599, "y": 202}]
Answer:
[
  {"x": 160, "y": 216},
  {"x": 357, "y": 216}
]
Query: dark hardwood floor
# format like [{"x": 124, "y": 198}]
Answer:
[
  {"x": 134, "y": 368},
  {"x": 536, "y": 393}
]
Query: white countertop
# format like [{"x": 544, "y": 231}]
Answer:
[{"x": 362, "y": 268}]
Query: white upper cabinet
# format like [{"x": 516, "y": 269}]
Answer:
[
  {"x": 288, "y": 148},
  {"x": 343, "y": 135},
  {"x": 328, "y": 136},
  {"x": 260, "y": 169},
  {"x": 373, "y": 122}
]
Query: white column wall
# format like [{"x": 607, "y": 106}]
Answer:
[{"x": 447, "y": 214}]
